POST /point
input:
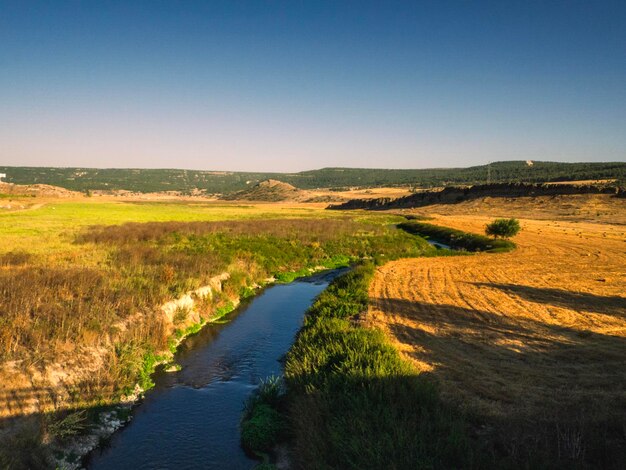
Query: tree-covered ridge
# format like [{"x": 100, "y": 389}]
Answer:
[{"x": 154, "y": 180}]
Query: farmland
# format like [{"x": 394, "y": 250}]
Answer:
[
  {"x": 490, "y": 342},
  {"x": 530, "y": 343}
]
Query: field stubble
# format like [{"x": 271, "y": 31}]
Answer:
[{"x": 534, "y": 339}]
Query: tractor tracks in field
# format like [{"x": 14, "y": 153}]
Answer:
[{"x": 503, "y": 332}]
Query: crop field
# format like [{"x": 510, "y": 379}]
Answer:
[{"x": 531, "y": 343}]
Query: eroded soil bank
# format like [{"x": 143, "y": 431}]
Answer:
[{"x": 191, "y": 417}]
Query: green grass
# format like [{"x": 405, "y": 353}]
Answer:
[
  {"x": 16, "y": 196},
  {"x": 53, "y": 226},
  {"x": 354, "y": 403},
  {"x": 263, "y": 422},
  {"x": 456, "y": 238},
  {"x": 89, "y": 278},
  {"x": 72, "y": 272}
]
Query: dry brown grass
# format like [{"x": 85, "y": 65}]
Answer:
[
  {"x": 366, "y": 193},
  {"x": 596, "y": 208},
  {"x": 73, "y": 334},
  {"x": 535, "y": 335}
]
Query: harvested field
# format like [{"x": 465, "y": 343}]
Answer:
[
  {"x": 537, "y": 335},
  {"x": 596, "y": 208}
]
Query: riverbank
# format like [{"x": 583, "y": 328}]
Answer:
[
  {"x": 353, "y": 402},
  {"x": 104, "y": 287},
  {"x": 219, "y": 367},
  {"x": 350, "y": 400},
  {"x": 76, "y": 453}
]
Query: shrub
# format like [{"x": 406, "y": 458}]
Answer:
[
  {"x": 60, "y": 428},
  {"x": 503, "y": 228},
  {"x": 260, "y": 432},
  {"x": 262, "y": 424}
]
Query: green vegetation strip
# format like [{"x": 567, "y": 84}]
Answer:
[
  {"x": 457, "y": 239},
  {"x": 351, "y": 401}
]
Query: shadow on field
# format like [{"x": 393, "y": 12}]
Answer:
[
  {"x": 610, "y": 305},
  {"x": 366, "y": 422},
  {"x": 25, "y": 436},
  {"x": 541, "y": 394},
  {"x": 25, "y": 439}
]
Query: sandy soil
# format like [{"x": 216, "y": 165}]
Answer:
[{"x": 537, "y": 331}]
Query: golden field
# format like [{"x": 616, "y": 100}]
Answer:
[{"x": 537, "y": 335}]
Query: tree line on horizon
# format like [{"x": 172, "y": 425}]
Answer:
[{"x": 221, "y": 182}]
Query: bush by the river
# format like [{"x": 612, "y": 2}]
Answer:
[{"x": 503, "y": 228}]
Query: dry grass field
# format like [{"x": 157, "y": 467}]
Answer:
[{"x": 534, "y": 336}]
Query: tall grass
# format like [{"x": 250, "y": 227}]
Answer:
[
  {"x": 47, "y": 309},
  {"x": 354, "y": 403},
  {"x": 107, "y": 313}
]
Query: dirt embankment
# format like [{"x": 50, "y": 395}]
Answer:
[
  {"x": 457, "y": 194},
  {"x": 36, "y": 387},
  {"x": 39, "y": 190},
  {"x": 268, "y": 191},
  {"x": 537, "y": 335},
  {"x": 15, "y": 197},
  {"x": 595, "y": 208},
  {"x": 277, "y": 191}
]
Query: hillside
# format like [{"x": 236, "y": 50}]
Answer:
[
  {"x": 222, "y": 182},
  {"x": 269, "y": 190}
]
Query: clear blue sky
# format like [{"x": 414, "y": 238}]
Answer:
[{"x": 285, "y": 86}]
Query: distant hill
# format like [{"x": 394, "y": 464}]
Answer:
[
  {"x": 220, "y": 182},
  {"x": 268, "y": 190},
  {"x": 454, "y": 195}
]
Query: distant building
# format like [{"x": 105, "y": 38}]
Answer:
[
  {"x": 529, "y": 162},
  {"x": 2, "y": 175}
]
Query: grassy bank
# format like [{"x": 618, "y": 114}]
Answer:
[
  {"x": 354, "y": 403},
  {"x": 457, "y": 239},
  {"x": 147, "y": 264},
  {"x": 79, "y": 298}
]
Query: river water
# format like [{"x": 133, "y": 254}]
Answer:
[{"x": 190, "y": 419}]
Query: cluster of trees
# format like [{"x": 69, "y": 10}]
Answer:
[{"x": 146, "y": 180}]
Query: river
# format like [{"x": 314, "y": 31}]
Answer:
[{"x": 190, "y": 419}]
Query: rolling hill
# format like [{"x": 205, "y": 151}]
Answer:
[{"x": 222, "y": 182}]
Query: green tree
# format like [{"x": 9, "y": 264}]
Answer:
[{"x": 503, "y": 228}]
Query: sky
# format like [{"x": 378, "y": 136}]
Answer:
[{"x": 297, "y": 85}]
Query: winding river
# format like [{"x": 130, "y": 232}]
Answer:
[{"x": 190, "y": 419}]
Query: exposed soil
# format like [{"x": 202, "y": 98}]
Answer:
[{"x": 36, "y": 190}]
